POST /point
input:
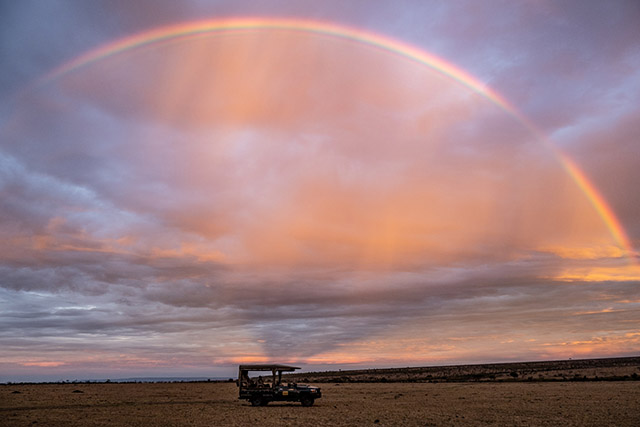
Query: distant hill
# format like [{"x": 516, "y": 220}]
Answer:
[{"x": 611, "y": 369}]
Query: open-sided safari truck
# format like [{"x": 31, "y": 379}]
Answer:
[{"x": 262, "y": 390}]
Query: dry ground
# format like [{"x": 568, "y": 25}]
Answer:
[{"x": 407, "y": 404}]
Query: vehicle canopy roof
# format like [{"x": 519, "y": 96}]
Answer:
[{"x": 284, "y": 368}]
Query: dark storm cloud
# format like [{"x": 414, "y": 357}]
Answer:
[
  {"x": 303, "y": 319},
  {"x": 280, "y": 315}
]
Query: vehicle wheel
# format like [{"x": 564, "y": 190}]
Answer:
[
  {"x": 306, "y": 400},
  {"x": 256, "y": 401}
]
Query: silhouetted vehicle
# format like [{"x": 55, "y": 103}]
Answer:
[{"x": 260, "y": 391}]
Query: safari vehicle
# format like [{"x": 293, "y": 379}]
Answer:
[{"x": 260, "y": 391}]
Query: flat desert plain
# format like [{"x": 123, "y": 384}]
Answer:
[{"x": 343, "y": 404}]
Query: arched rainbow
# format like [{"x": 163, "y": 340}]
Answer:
[{"x": 385, "y": 43}]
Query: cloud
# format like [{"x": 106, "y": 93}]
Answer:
[{"x": 269, "y": 195}]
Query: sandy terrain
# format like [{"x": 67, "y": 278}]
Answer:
[{"x": 410, "y": 404}]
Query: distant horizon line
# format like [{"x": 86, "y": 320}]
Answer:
[{"x": 187, "y": 379}]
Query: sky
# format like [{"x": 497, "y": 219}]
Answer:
[{"x": 186, "y": 186}]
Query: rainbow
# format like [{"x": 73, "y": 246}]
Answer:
[{"x": 195, "y": 28}]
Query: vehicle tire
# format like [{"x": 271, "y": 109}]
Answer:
[
  {"x": 306, "y": 401},
  {"x": 256, "y": 401}
]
